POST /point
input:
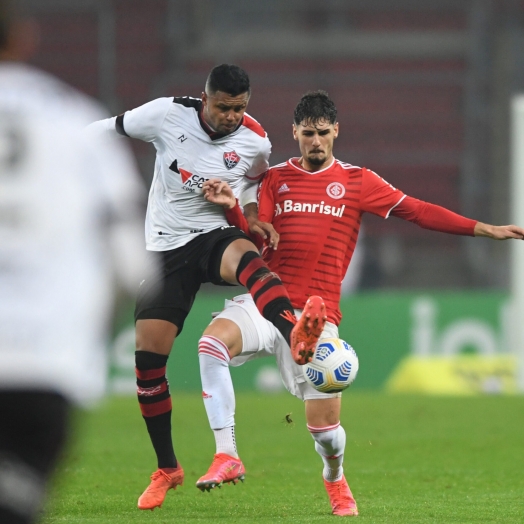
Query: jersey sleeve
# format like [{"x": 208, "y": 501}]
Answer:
[
  {"x": 378, "y": 196},
  {"x": 103, "y": 130},
  {"x": 249, "y": 192},
  {"x": 431, "y": 216},
  {"x": 266, "y": 200},
  {"x": 255, "y": 173},
  {"x": 235, "y": 217},
  {"x": 260, "y": 163},
  {"x": 145, "y": 122}
]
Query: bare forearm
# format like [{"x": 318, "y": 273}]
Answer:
[
  {"x": 251, "y": 211},
  {"x": 483, "y": 230}
]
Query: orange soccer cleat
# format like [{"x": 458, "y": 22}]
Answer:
[
  {"x": 162, "y": 480},
  {"x": 224, "y": 468},
  {"x": 341, "y": 498},
  {"x": 307, "y": 330}
]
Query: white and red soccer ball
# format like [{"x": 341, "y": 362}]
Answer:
[{"x": 334, "y": 366}]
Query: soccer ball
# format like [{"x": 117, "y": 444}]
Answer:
[{"x": 333, "y": 367}]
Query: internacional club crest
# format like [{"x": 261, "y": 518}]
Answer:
[
  {"x": 336, "y": 190},
  {"x": 231, "y": 159}
]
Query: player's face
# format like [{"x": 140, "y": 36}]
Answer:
[
  {"x": 316, "y": 142},
  {"x": 224, "y": 112}
]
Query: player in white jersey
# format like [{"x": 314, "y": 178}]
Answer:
[
  {"x": 239, "y": 334},
  {"x": 70, "y": 221},
  {"x": 195, "y": 140}
]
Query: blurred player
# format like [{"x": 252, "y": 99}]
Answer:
[
  {"x": 195, "y": 140},
  {"x": 316, "y": 203},
  {"x": 70, "y": 221}
]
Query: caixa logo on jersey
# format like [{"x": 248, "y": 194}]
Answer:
[
  {"x": 231, "y": 159},
  {"x": 194, "y": 183},
  {"x": 190, "y": 182}
]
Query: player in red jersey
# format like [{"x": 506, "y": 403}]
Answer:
[{"x": 315, "y": 203}]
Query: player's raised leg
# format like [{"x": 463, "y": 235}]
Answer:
[
  {"x": 154, "y": 341},
  {"x": 221, "y": 340},
  {"x": 242, "y": 263},
  {"x": 323, "y": 419}
]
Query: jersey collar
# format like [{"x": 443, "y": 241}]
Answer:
[
  {"x": 293, "y": 162},
  {"x": 211, "y": 133}
]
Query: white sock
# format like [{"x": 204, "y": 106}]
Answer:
[
  {"x": 330, "y": 442},
  {"x": 225, "y": 441},
  {"x": 218, "y": 392}
]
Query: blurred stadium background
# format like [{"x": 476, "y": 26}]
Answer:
[{"x": 423, "y": 91}]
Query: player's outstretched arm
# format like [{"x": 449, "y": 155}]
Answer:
[
  {"x": 144, "y": 122},
  {"x": 498, "y": 232},
  {"x": 437, "y": 218},
  {"x": 102, "y": 130}
]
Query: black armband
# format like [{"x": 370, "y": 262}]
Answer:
[{"x": 120, "y": 125}]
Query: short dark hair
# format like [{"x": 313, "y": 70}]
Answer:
[
  {"x": 229, "y": 79},
  {"x": 313, "y": 107}
]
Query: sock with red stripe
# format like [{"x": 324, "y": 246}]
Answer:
[
  {"x": 330, "y": 443},
  {"x": 218, "y": 393},
  {"x": 269, "y": 294},
  {"x": 155, "y": 404}
]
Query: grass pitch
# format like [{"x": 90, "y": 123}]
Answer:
[{"x": 408, "y": 460}]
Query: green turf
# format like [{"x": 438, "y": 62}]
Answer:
[{"x": 408, "y": 460}]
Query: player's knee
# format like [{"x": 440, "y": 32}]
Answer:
[
  {"x": 228, "y": 333},
  {"x": 235, "y": 258},
  {"x": 147, "y": 360},
  {"x": 155, "y": 336},
  {"x": 331, "y": 440},
  {"x": 212, "y": 347}
]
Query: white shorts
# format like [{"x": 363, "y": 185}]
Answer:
[{"x": 260, "y": 338}]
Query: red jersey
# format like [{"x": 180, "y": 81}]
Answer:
[{"x": 318, "y": 215}]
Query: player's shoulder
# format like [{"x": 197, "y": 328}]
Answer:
[
  {"x": 182, "y": 106},
  {"x": 345, "y": 166},
  {"x": 178, "y": 110},
  {"x": 370, "y": 174},
  {"x": 274, "y": 173},
  {"x": 187, "y": 102},
  {"x": 249, "y": 123},
  {"x": 251, "y": 138},
  {"x": 278, "y": 168}
]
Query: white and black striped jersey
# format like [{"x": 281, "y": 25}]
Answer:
[
  {"x": 68, "y": 212},
  {"x": 187, "y": 154}
]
